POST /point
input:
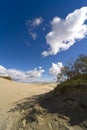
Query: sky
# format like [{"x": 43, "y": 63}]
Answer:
[{"x": 38, "y": 38}]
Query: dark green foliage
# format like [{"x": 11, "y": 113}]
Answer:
[
  {"x": 76, "y": 83},
  {"x": 80, "y": 65},
  {"x": 78, "y": 79},
  {"x": 72, "y": 70}
]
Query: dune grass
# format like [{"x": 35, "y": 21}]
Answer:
[
  {"x": 79, "y": 79},
  {"x": 6, "y": 77},
  {"x": 77, "y": 83}
]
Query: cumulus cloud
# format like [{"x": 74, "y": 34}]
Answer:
[
  {"x": 16, "y": 75},
  {"x": 28, "y": 76},
  {"x": 65, "y": 32},
  {"x": 3, "y": 71},
  {"x": 36, "y": 73},
  {"x": 55, "y": 68},
  {"x": 32, "y": 25}
]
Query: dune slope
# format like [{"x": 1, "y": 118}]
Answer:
[
  {"x": 45, "y": 107},
  {"x": 12, "y": 92},
  {"x": 64, "y": 108}
]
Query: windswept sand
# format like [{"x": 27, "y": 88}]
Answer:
[
  {"x": 27, "y": 107},
  {"x": 11, "y": 92}
]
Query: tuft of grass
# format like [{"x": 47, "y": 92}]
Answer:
[
  {"x": 6, "y": 77},
  {"x": 77, "y": 83},
  {"x": 79, "y": 79}
]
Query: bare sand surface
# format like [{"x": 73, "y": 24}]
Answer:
[
  {"x": 27, "y": 107},
  {"x": 11, "y": 92}
]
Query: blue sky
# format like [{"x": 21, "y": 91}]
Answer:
[{"x": 36, "y": 38}]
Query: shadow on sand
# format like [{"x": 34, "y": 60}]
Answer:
[{"x": 72, "y": 106}]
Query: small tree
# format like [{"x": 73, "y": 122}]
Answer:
[{"x": 78, "y": 67}]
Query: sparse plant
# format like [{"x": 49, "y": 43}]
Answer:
[{"x": 72, "y": 70}]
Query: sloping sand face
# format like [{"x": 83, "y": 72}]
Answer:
[
  {"x": 22, "y": 107},
  {"x": 11, "y": 92}
]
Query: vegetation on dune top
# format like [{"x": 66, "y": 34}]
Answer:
[
  {"x": 6, "y": 77},
  {"x": 73, "y": 69},
  {"x": 79, "y": 82},
  {"x": 78, "y": 79},
  {"x": 73, "y": 77}
]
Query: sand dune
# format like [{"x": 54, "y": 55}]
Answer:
[
  {"x": 64, "y": 108},
  {"x": 11, "y": 92},
  {"x": 26, "y": 107}
]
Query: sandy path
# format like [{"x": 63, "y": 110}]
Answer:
[{"x": 11, "y": 92}]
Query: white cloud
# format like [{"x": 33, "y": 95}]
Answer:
[
  {"x": 36, "y": 73},
  {"x": 28, "y": 76},
  {"x": 3, "y": 71},
  {"x": 56, "y": 68},
  {"x": 37, "y": 21},
  {"x": 32, "y": 25},
  {"x": 16, "y": 75},
  {"x": 66, "y": 32}
]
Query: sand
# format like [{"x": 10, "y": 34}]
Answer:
[
  {"x": 12, "y": 92},
  {"x": 35, "y": 107}
]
